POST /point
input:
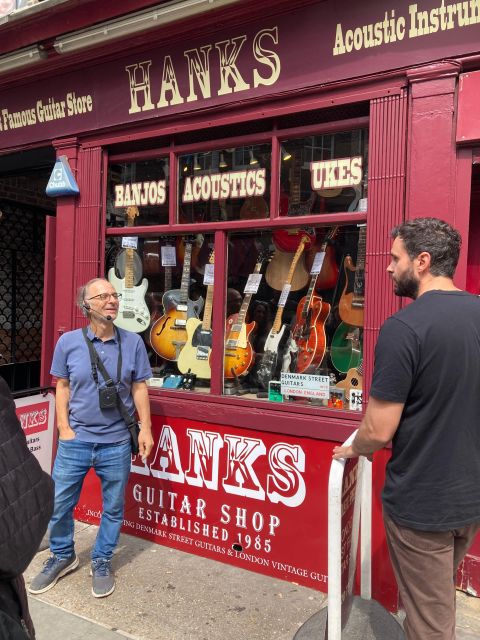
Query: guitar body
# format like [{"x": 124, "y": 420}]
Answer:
[
  {"x": 268, "y": 365},
  {"x": 328, "y": 276},
  {"x": 168, "y": 334},
  {"x": 239, "y": 353},
  {"x": 195, "y": 355},
  {"x": 133, "y": 314},
  {"x": 309, "y": 334},
  {"x": 350, "y": 311},
  {"x": 278, "y": 268},
  {"x": 353, "y": 380},
  {"x": 345, "y": 351},
  {"x": 254, "y": 207}
]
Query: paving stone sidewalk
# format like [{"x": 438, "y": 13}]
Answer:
[{"x": 165, "y": 594}]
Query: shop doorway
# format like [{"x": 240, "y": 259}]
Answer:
[{"x": 24, "y": 209}]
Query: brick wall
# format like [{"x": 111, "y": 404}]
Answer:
[{"x": 29, "y": 189}]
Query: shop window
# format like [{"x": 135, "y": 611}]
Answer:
[
  {"x": 137, "y": 193},
  {"x": 226, "y": 184},
  {"x": 323, "y": 173},
  {"x": 294, "y": 328},
  {"x": 166, "y": 284}
]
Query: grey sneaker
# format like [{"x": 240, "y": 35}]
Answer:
[
  {"x": 53, "y": 569},
  {"x": 103, "y": 579}
]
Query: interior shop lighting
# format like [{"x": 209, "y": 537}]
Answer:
[
  {"x": 196, "y": 166},
  {"x": 286, "y": 155},
  {"x": 135, "y": 23},
  {"x": 20, "y": 58},
  {"x": 222, "y": 164},
  {"x": 253, "y": 159}
]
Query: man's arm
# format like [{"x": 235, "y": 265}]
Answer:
[
  {"x": 62, "y": 398},
  {"x": 376, "y": 430},
  {"x": 142, "y": 405}
]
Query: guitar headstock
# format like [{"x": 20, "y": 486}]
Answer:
[
  {"x": 211, "y": 257},
  {"x": 265, "y": 256},
  {"x": 131, "y": 213},
  {"x": 168, "y": 240}
]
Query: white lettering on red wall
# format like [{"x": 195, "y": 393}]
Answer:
[
  {"x": 201, "y": 64},
  {"x": 284, "y": 484}
]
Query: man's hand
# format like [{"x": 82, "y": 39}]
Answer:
[
  {"x": 344, "y": 452},
  {"x": 347, "y": 452},
  {"x": 145, "y": 442},
  {"x": 66, "y": 433}
]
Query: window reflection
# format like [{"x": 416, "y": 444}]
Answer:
[
  {"x": 143, "y": 185},
  {"x": 324, "y": 173}
]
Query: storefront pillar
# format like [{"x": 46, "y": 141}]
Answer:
[{"x": 431, "y": 162}]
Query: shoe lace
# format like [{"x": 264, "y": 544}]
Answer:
[
  {"x": 101, "y": 568},
  {"x": 49, "y": 564}
]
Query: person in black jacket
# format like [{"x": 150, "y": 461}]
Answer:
[{"x": 26, "y": 504}]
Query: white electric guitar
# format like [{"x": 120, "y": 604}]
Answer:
[
  {"x": 268, "y": 365},
  {"x": 133, "y": 314}
]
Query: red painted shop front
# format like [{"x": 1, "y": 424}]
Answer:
[{"x": 239, "y": 175}]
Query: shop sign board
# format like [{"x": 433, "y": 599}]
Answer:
[
  {"x": 252, "y": 499},
  {"x": 330, "y": 42},
  {"x": 37, "y": 418}
]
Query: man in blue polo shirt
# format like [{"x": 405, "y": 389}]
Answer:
[{"x": 94, "y": 437}]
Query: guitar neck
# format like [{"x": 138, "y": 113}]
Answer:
[
  {"x": 359, "y": 281},
  {"x": 277, "y": 323},
  {"x": 245, "y": 304},
  {"x": 184, "y": 286},
  {"x": 129, "y": 281},
  {"x": 168, "y": 278},
  {"x": 207, "y": 313}
]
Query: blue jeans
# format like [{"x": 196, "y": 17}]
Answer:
[{"x": 111, "y": 463}]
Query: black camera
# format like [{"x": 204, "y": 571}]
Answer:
[{"x": 107, "y": 397}]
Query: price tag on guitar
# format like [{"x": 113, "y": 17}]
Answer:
[
  {"x": 317, "y": 263},
  {"x": 169, "y": 257},
  {"x": 208, "y": 275},
  {"x": 253, "y": 283},
  {"x": 129, "y": 242},
  {"x": 284, "y": 295}
]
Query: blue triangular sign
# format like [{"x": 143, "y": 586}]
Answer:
[{"x": 62, "y": 182}]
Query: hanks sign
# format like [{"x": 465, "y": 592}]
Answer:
[{"x": 233, "y": 495}]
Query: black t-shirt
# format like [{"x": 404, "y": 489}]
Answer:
[{"x": 428, "y": 357}]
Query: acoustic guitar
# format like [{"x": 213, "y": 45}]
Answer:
[
  {"x": 328, "y": 276},
  {"x": 168, "y": 334},
  {"x": 352, "y": 300},
  {"x": 195, "y": 355},
  {"x": 346, "y": 347},
  {"x": 312, "y": 313},
  {"x": 268, "y": 365},
  {"x": 254, "y": 207},
  {"x": 133, "y": 314},
  {"x": 353, "y": 379},
  {"x": 239, "y": 355}
]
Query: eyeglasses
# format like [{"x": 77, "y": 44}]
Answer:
[{"x": 106, "y": 296}]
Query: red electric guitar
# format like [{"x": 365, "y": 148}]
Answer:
[{"x": 309, "y": 330}]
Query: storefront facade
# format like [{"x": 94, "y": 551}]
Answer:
[{"x": 239, "y": 173}]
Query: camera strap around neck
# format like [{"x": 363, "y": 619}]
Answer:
[{"x": 98, "y": 364}]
